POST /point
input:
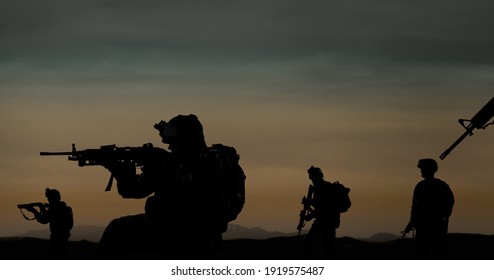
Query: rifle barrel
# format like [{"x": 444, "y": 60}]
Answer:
[
  {"x": 458, "y": 141},
  {"x": 55, "y": 153}
]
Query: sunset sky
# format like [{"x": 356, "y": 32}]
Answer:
[{"x": 362, "y": 89}]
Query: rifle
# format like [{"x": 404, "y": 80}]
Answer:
[
  {"x": 30, "y": 207},
  {"x": 111, "y": 153},
  {"x": 305, "y": 213},
  {"x": 479, "y": 121}
]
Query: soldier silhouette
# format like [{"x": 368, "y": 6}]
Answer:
[
  {"x": 432, "y": 205},
  {"x": 186, "y": 204},
  {"x": 327, "y": 204},
  {"x": 59, "y": 215}
]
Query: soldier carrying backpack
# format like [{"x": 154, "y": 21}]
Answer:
[
  {"x": 60, "y": 217},
  {"x": 432, "y": 205},
  {"x": 327, "y": 202},
  {"x": 191, "y": 196}
]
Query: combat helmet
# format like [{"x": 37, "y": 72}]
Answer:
[
  {"x": 53, "y": 194},
  {"x": 315, "y": 172},
  {"x": 428, "y": 164},
  {"x": 182, "y": 130}
]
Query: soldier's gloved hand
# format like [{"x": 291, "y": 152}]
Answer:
[{"x": 309, "y": 216}]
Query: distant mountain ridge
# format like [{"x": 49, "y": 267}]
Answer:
[
  {"x": 381, "y": 237},
  {"x": 83, "y": 232},
  {"x": 240, "y": 232},
  {"x": 93, "y": 234}
]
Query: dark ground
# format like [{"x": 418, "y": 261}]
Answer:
[{"x": 461, "y": 247}]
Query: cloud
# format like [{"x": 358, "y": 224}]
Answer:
[
  {"x": 418, "y": 30},
  {"x": 276, "y": 47}
]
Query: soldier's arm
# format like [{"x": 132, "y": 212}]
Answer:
[
  {"x": 450, "y": 201},
  {"x": 129, "y": 183},
  {"x": 42, "y": 216},
  {"x": 414, "y": 208}
]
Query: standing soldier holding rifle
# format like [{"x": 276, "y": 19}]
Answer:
[
  {"x": 59, "y": 215},
  {"x": 432, "y": 205},
  {"x": 324, "y": 203}
]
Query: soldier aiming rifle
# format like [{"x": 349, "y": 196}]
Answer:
[{"x": 59, "y": 215}]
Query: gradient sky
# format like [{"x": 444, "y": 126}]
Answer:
[{"x": 362, "y": 89}]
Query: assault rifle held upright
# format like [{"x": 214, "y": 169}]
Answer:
[
  {"x": 479, "y": 121},
  {"x": 305, "y": 213},
  {"x": 111, "y": 153}
]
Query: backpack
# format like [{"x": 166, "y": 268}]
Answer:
[
  {"x": 433, "y": 199},
  {"x": 233, "y": 183},
  {"x": 61, "y": 217},
  {"x": 344, "y": 202},
  {"x": 68, "y": 217}
]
